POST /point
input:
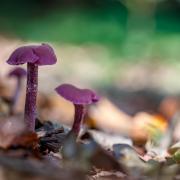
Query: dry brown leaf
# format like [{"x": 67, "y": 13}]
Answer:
[
  {"x": 53, "y": 107},
  {"x": 9, "y": 129},
  {"x": 108, "y": 175},
  {"x": 26, "y": 140},
  {"x": 169, "y": 106},
  {"x": 106, "y": 116},
  {"x": 144, "y": 125}
]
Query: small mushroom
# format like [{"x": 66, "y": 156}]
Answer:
[
  {"x": 80, "y": 98},
  {"x": 34, "y": 56},
  {"x": 19, "y": 74}
]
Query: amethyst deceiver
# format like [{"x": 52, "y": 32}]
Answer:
[
  {"x": 80, "y": 98},
  {"x": 34, "y": 56},
  {"x": 18, "y": 73}
]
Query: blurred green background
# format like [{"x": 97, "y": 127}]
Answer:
[
  {"x": 128, "y": 27},
  {"x": 118, "y": 35}
]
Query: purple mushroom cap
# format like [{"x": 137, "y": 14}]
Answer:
[
  {"x": 37, "y": 54},
  {"x": 17, "y": 72},
  {"x": 76, "y": 95}
]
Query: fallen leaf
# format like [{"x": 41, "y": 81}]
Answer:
[
  {"x": 26, "y": 140},
  {"x": 9, "y": 129},
  {"x": 106, "y": 116},
  {"x": 107, "y": 140},
  {"x": 89, "y": 154}
]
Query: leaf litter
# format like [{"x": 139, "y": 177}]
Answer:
[
  {"x": 95, "y": 155},
  {"x": 114, "y": 144}
]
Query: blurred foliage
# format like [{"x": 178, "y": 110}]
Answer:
[{"x": 103, "y": 22}]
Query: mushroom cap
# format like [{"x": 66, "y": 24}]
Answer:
[
  {"x": 17, "y": 72},
  {"x": 76, "y": 95},
  {"x": 38, "y": 54}
]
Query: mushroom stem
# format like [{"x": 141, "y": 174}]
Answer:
[
  {"x": 78, "y": 117},
  {"x": 31, "y": 94},
  {"x": 15, "y": 96}
]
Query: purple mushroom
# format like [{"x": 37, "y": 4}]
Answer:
[
  {"x": 80, "y": 98},
  {"x": 34, "y": 56},
  {"x": 19, "y": 74}
]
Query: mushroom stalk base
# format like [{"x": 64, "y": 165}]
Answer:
[
  {"x": 78, "y": 117},
  {"x": 31, "y": 94}
]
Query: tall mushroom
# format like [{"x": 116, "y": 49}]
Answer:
[
  {"x": 34, "y": 56},
  {"x": 80, "y": 98},
  {"x": 18, "y": 73}
]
